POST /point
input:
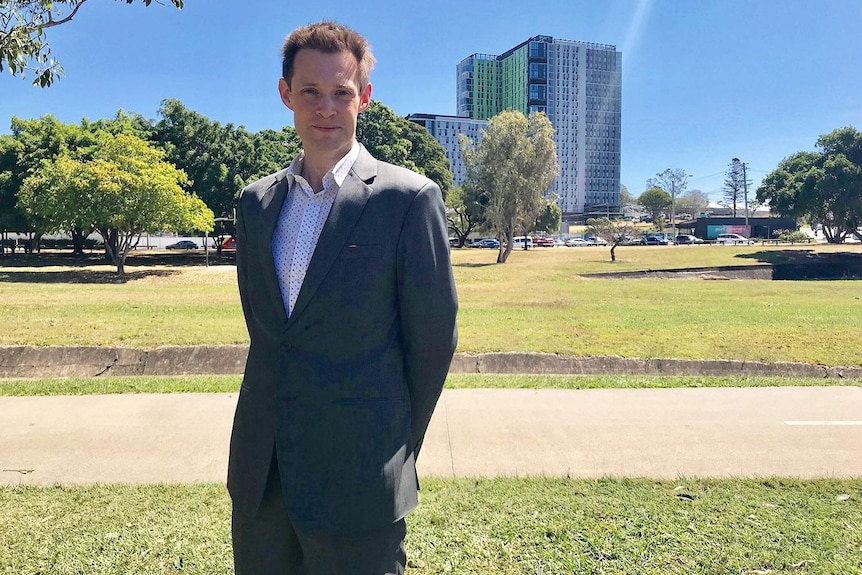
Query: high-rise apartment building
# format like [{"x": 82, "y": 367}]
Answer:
[{"x": 577, "y": 85}]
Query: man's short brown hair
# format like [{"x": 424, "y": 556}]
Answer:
[{"x": 330, "y": 38}]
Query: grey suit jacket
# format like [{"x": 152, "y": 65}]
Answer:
[{"x": 346, "y": 386}]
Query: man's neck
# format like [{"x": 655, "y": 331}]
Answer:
[{"x": 316, "y": 165}]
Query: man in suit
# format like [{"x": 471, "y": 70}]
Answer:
[{"x": 347, "y": 291}]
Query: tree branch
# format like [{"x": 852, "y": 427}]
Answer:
[{"x": 51, "y": 22}]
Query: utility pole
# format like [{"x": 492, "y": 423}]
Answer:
[{"x": 745, "y": 191}]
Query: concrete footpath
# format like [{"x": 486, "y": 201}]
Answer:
[{"x": 663, "y": 433}]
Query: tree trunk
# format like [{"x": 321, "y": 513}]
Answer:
[
  {"x": 503, "y": 253},
  {"x": 613, "y": 255},
  {"x": 78, "y": 238}
]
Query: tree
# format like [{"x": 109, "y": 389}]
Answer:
[
  {"x": 615, "y": 232},
  {"x": 465, "y": 211},
  {"x": 822, "y": 187},
  {"x": 23, "y": 45},
  {"x": 120, "y": 189},
  {"x": 32, "y": 143},
  {"x": 692, "y": 202},
  {"x": 735, "y": 184},
  {"x": 674, "y": 182},
  {"x": 626, "y": 199},
  {"x": 220, "y": 160},
  {"x": 515, "y": 162},
  {"x": 655, "y": 201},
  {"x": 550, "y": 218},
  {"x": 391, "y": 138}
]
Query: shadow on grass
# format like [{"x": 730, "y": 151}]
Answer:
[
  {"x": 473, "y": 265},
  {"x": 81, "y": 269},
  {"x": 80, "y": 276},
  {"x": 806, "y": 264}
]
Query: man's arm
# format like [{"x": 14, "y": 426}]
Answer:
[{"x": 428, "y": 305}]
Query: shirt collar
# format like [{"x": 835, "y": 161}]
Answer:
[{"x": 337, "y": 174}]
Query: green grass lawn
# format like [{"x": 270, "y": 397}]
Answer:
[
  {"x": 470, "y": 527},
  {"x": 538, "y": 301},
  {"x": 231, "y": 383}
]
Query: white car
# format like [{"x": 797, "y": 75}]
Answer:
[
  {"x": 577, "y": 242},
  {"x": 733, "y": 239}
]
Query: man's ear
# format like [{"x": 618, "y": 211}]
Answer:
[
  {"x": 284, "y": 92},
  {"x": 365, "y": 98}
]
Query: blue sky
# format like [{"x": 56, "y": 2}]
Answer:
[{"x": 704, "y": 81}]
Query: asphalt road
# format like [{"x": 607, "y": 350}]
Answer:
[{"x": 662, "y": 433}]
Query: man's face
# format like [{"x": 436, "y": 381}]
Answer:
[{"x": 326, "y": 100}]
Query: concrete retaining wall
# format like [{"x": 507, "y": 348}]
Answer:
[{"x": 29, "y": 361}]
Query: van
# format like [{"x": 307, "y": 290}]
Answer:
[
  {"x": 518, "y": 242},
  {"x": 732, "y": 239}
]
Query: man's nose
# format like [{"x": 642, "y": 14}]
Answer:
[{"x": 326, "y": 107}]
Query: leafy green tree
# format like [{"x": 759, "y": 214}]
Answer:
[
  {"x": 822, "y": 187},
  {"x": 615, "y": 232},
  {"x": 32, "y": 143},
  {"x": 465, "y": 211},
  {"x": 220, "y": 160},
  {"x": 120, "y": 189},
  {"x": 550, "y": 218},
  {"x": 391, "y": 138},
  {"x": 513, "y": 164},
  {"x": 427, "y": 154},
  {"x": 655, "y": 201},
  {"x": 23, "y": 45}
]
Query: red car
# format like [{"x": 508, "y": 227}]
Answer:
[
  {"x": 229, "y": 244},
  {"x": 543, "y": 242}
]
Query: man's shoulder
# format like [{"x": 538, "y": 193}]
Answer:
[
  {"x": 401, "y": 177},
  {"x": 262, "y": 185}
]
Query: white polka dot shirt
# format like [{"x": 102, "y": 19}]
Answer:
[{"x": 300, "y": 222}]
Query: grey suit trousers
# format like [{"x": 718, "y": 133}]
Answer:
[{"x": 269, "y": 543}]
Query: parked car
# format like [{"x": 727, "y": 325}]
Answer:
[
  {"x": 653, "y": 241},
  {"x": 229, "y": 244},
  {"x": 487, "y": 243},
  {"x": 543, "y": 242},
  {"x": 518, "y": 242},
  {"x": 733, "y": 239},
  {"x": 688, "y": 239},
  {"x": 576, "y": 242},
  {"x": 182, "y": 245},
  {"x": 596, "y": 241}
]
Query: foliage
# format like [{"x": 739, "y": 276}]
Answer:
[
  {"x": 120, "y": 188},
  {"x": 655, "y": 201},
  {"x": 615, "y": 232},
  {"x": 220, "y": 160},
  {"x": 792, "y": 236},
  {"x": 735, "y": 184},
  {"x": 23, "y": 45},
  {"x": 31, "y": 144},
  {"x": 391, "y": 138},
  {"x": 550, "y": 218},
  {"x": 626, "y": 198},
  {"x": 692, "y": 202},
  {"x": 465, "y": 211},
  {"x": 822, "y": 187},
  {"x": 513, "y": 164}
]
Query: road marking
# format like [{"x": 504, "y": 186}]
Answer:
[{"x": 823, "y": 422}]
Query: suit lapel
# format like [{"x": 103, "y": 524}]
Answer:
[
  {"x": 345, "y": 212},
  {"x": 271, "y": 207}
]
